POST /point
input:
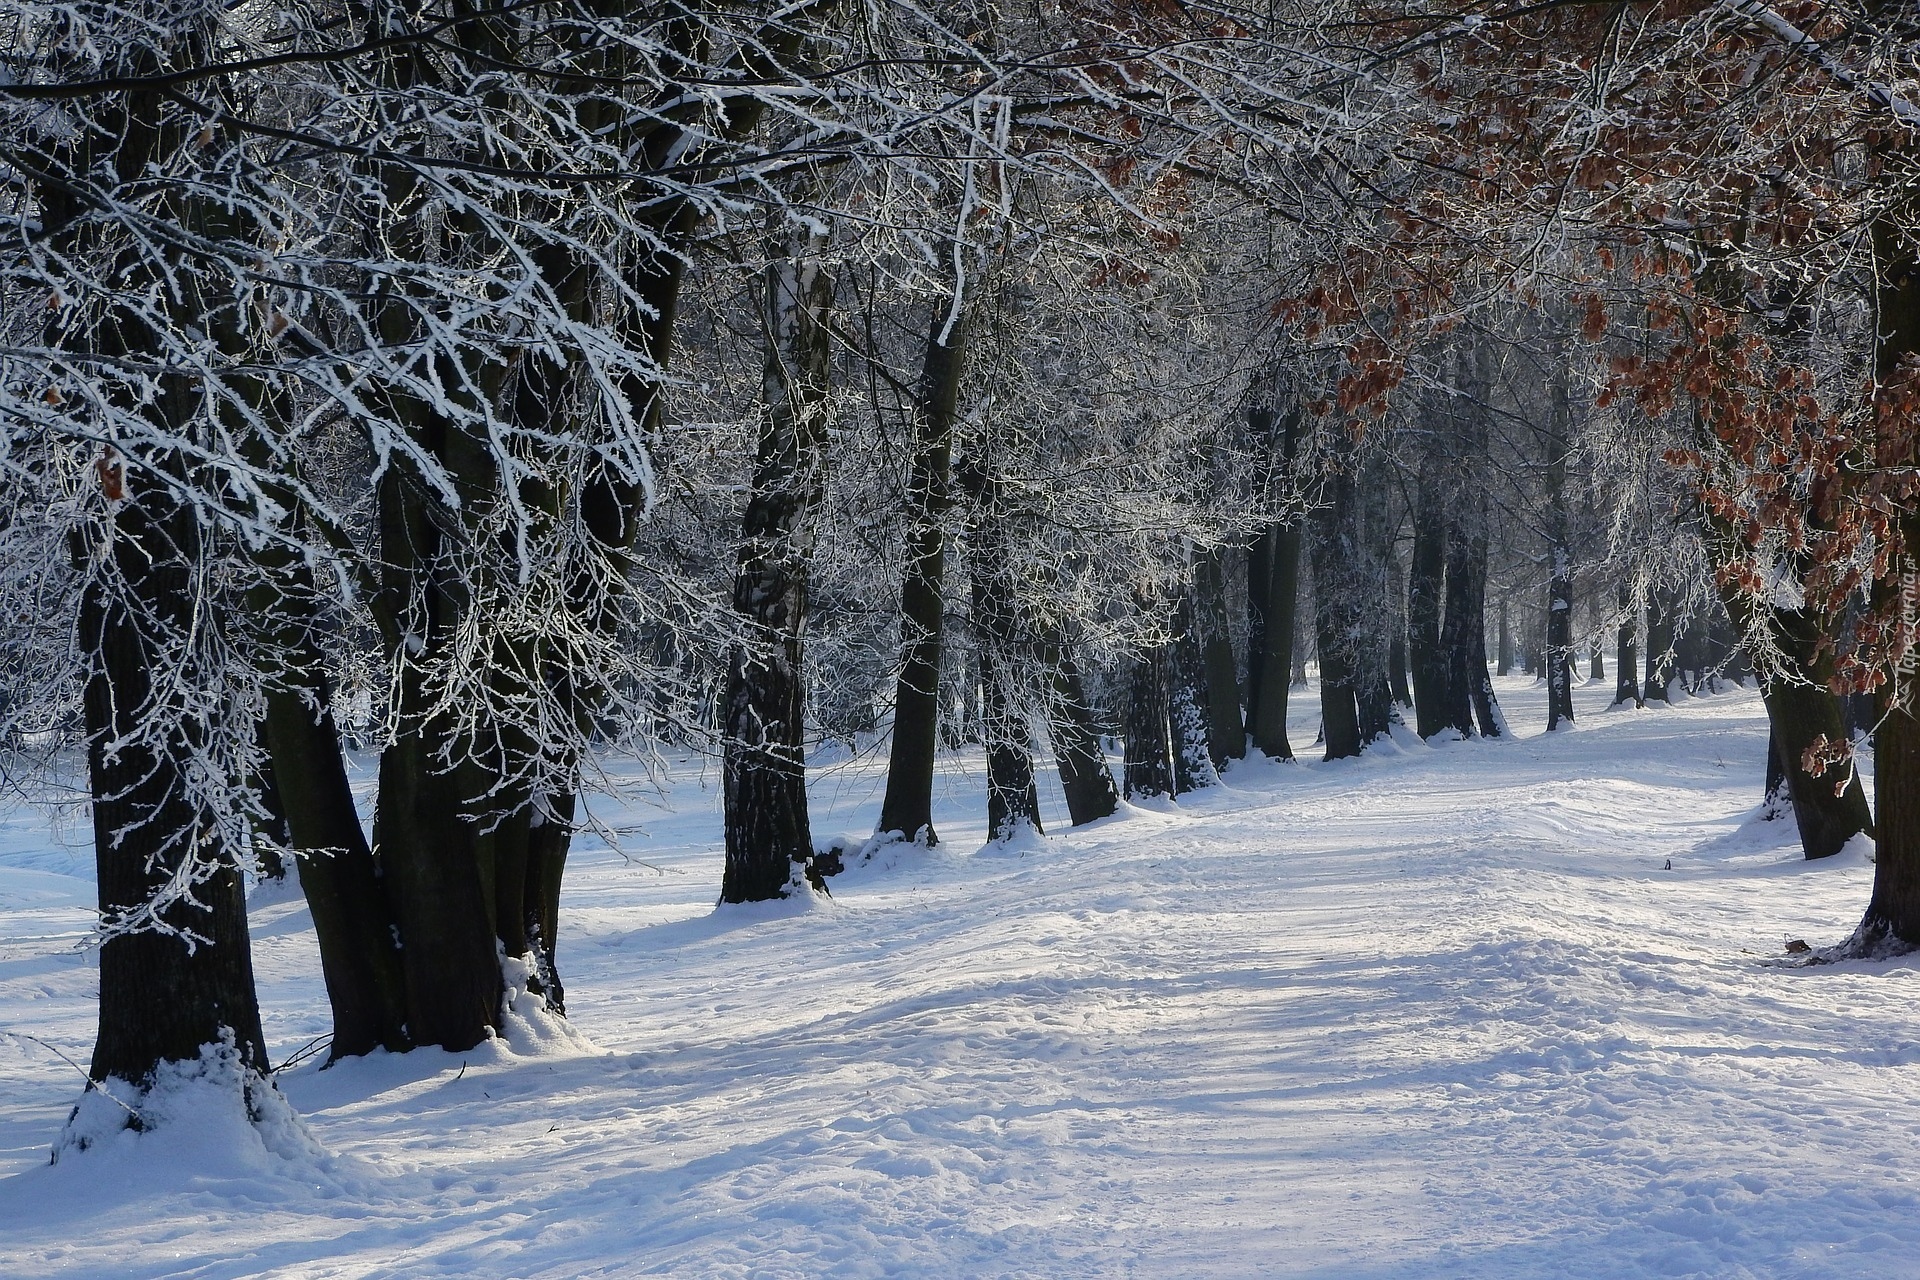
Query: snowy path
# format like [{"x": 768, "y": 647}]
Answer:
[{"x": 1439, "y": 1013}]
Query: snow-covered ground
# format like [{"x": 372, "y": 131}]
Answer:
[{"x": 1439, "y": 1012}]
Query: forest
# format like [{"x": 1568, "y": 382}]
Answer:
[{"x": 432, "y": 434}]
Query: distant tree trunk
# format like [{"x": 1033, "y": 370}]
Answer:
[
  {"x": 1280, "y": 658},
  {"x": 1227, "y": 732},
  {"x": 1559, "y": 653},
  {"x": 1084, "y": 778},
  {"x": 769, "y": 835},
  {"x": 1486, "y": 707},
  {"x": 1336, "y": 621},
  {"x": 1187, "y": 703},
  {"x": 1259, "y": 594},
  {"x": 1626, "y": 666},
  {"x": 1148, "y": 767},
  {"x": 907, "y": 807},
  {"x": 1273, "y": 577},
  {"x": 1425, "y": 602},
  {"x": 1400, "y": 690},
  {"x": 1260, "y": 427},
  {"x": 1004, "y": 656},
  {"x": 1458, "y": 628},
  {"x": 1504, "y": 663},
  {"x": 550, "y": 833},
  {"x": 1013, "y": 802},
  {"x": 1374, "y": 614},
  {"x": 1397, "y": 660},
  {"x": 1660, "y": 655}
]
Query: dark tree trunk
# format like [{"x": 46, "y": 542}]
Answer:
[
  {"x": 1479, "y": 682},
  {"x": 1227, "y": 732},
  {"x": 1259, "y": 590},
  {"x": 162, "y": 997},
  {"x": 1084, "y": 777},
  {"x": 1375, "y": 618},
  {"x": 1336, "y": 620},
  {"x": 1187, "y": 704},
  {"x": 1425, "y": 599},
  {"x": 1559, "y": 652},
  {"x": 1004, "y": 662},
  {"x": 1894, "y": 910},
  {"x": 352, "y": 921},
  {"x": 1268, "y": 709},
  {"x": 1660, "y": 655},
  {"x": 1597, "y": 665},
  {"x": 272, "y": 835},
  {"x": 549, "y": 835},
  {"x": 907, "y": 808},
  {"x": 1148, "y": 767},
  {"x": 1800, "y": 711},
  {"x": 432, "y": 872},
  {"x": 769, "y": 835},
  {"x": 1504, "y": 661},
  {"x": 1626, "y": 664},
  {"x": 1273, "y": 594},
  {"x": 176, "y": 972},
  {"x": 1013, "y": 801},
  {"x": 424, "y": 832},
  {"x": 1457, "y": 631}
]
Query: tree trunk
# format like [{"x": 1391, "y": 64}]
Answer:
[
  {"x": 1486, "y": 706},
  {"x": 1227, "y": 732},
  {"x": 1800, "y": 711},
  {"x": 1084, "y": 777},
  {"x": 1457, "y": 631},
  {"x": 1259, "y": 635},
  {"x": 1280, "y": 602},
  {"x": 1274, "y": 579},
  {"x": 1187, "y": 704},
  {"x": 1148, "y": 767},
  {"x": 1626, "y": 664},
  {"x": 1004, "y": 662},
  {"x": 1336, "y": 623},
  {"x": 1660, "y": 655},
  {"x": 769, "y": 836},
  {"x": 423, "y": 829},
  {"x": 180, "y": 978},
  {"x": 1425, "y": 598},
  {"x": 1559, "y": 654},
  {"x": 1894, "y": 910},
  {"x": 1374, "y": 617},
  {"x": 907, "y": 808}
]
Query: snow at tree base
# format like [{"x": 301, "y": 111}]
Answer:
[{"x": 1510, "y": 1008}]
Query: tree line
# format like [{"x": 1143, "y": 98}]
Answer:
[{"x": 501, "y": 389}]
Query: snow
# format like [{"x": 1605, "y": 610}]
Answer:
[{"x": 1440, "y": 1012}]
